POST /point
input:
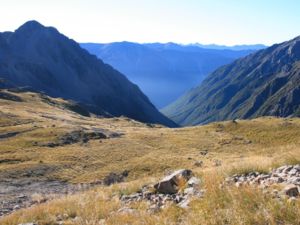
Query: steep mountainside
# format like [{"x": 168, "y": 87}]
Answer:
[
  {"x": 264, "y": 83},
  {"x": 163, "y": 71},
  {"x": 45, "y": 60}
]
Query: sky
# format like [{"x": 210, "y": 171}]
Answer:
[{"x": 226, "y": 22}]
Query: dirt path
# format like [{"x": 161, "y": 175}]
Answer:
[{"x": 23, "y": 193}]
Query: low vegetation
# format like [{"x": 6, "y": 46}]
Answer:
[{"x": 147, "y": 153}]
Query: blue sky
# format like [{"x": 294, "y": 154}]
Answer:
[{"x": 184, "y": 21}]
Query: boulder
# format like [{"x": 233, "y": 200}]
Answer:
[
  {"x": 172, "y": 183},
  {"x": 291, "y": 190}
]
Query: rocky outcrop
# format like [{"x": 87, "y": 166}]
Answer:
[
  {"x": 82, "y": 136},
  {"x": 178, "y": 188},
  {"x": 288, "y": 176}
]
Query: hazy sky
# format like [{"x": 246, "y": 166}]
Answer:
[{"x": 184, "y": 21}]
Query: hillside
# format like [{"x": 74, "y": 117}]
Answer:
[
  {"x": 55, "y": 159},
  {"x": 41, "y": 59},
  {"x": 266, "y": 83},
  {"x": 163, "y": 71}
]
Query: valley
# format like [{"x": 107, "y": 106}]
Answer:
[
  {"x": 149, "y": 112},
  {"x": 159, "y": 69}
]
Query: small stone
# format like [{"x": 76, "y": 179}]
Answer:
[
  {"x": 198, "y": 163},
  {"x": 22, "y": 196},
  {"x": 126, "y": 210},
  {"x": 184, "y": 204},
  {"x": 247, "y": 142},
  {"x": 229, "y": 180},
  {"x": 194, "y": 181},
  {"x": 204, "y": 152},
  {"x": 154, "y": 208},
  {"x": 217, "y": 162},
  {"x": 297, "y": 167},
  {"x": 276, "y": 180},
  {"x": 59, "y": 218},
  {"x": 238, "y": 184},
  {"x": 16, "y": 207},
  {"x": 189, "y": 191},
  {"x": 293, "y": 180},
  {"x": 293, "y": 172},
  {"x": 287, "y": 169},
  {"x": 178, "y": 199},
  {"x": 27, "y": 224},
  {"x": 280, "y": 169}
]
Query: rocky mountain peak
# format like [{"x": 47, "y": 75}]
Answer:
[
  {"x": 47, "y": 61},
  {"x": 31, "y": 26}
]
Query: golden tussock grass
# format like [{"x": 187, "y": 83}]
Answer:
[
  {"x": 221, "y": 205},
  {"x": 147, "y": 153}
]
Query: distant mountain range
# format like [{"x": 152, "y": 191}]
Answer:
[
  {"x": 44, "y": 60},
  {"x": 164, "y": 71},
  {"x": 266, "y": 83},
  {"x": 234, "y": 47}
]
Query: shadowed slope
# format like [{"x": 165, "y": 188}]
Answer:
[
  {"x": 45, "y": 60},
  {"x": 266, "y": 83}
]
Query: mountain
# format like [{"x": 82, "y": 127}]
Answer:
[
  {"x": 234, "y": 47},
  {"x": 163, "y": 71},
  {"x": 46, "y": 61},
  {"x": 266, "y": 83}
]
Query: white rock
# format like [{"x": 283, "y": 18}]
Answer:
[
  {"x": 184, "y": 204},
  {"x": 287, "y": 169},
  {"x": 297, "y": 167},
  {"x": 194, "y": 182},
  {"x": 28, "y": 224},
  {"x": 126, "y": 210},
  {"x": 189, "y": 191},
  {"x": 293, "y": 171}
]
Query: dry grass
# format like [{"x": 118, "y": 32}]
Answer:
[
  {"x": 221, "y": 205},
  {"x": 259, "y": 144},
  {"x": 245, "y": 205}
]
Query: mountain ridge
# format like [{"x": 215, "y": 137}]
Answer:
[
  {"x": 44, "y": 59},
  {"x": 265, "y": 83}
]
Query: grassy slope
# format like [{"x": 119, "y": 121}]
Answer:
[{"x": 147, "y": 153}]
